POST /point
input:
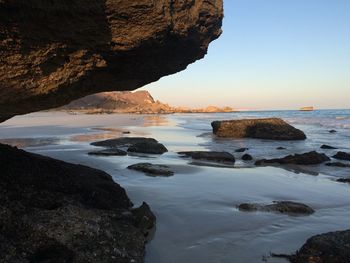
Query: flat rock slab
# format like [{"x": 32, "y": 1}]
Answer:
[
  {"x": 152, "y": 169},
  {"x": 342, "y": 156},
  {"x": 283, "y": 207},
  {"x": 218, "y": 157},
  {"x": 332, "y": 247},
  {"x": 148, "y": 147},
  {"x": 53, "y": 211},
  {"x": 109, "y": 152},
  {"x": 338, "y": 164},
  {"x": 327, "y": 147},
  {"x": 123, "y": 142},
  {"x": 271, "y": 128},
  {"x": 310, "y": 158}
]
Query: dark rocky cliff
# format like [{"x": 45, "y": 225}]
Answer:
[{"x": 53, "y": 52}]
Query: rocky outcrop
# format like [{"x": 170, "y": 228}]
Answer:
[
  {"x": 283, "y": 207},
  {"x": 218, "y": 157},
  {"x": 342, "y": 156},
  {"x": 332, "y": 247},
  {"x": 309, "y": 158},
  {"x": 52, "y": 211},
  {"x": 272, "y": 129},
  {"x": 57, "y": 51},
  {"x": 148, "y": 147},
  {"x": 152, "y": 169}
]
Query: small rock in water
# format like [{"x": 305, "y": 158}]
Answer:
[
  {"x": 280, "y": 148},
  {"x": 332, "y": 131},
  {"x": 247, "y": 157},
  {"x": 109, "y": 152},
  {"x": 332, "y": 247},
  {"x": 241, "y": 150},
  {"x": 148, "y": 147},
  {"x": 271, "y": 128},
  {"x": 309, "y": 158},
  {"x": 342, "y": 156},
  {"x": 144, "y": 218},
  {"x": 284, "y": 207},
  {"x": 152, "y": 169},
  {"x": 324, "y": 146},
  {"x": 123, "y": 142},
  {"x": 220, "y": 157},
  {"x": 344, "y": 180},
  {"x": 338, "y": 164}
]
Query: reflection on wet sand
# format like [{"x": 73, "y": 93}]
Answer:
[
  {"x": 156, "y": 120},
  {"x": 30, "y": 142}
]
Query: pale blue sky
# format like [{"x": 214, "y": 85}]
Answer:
[{"x": 273, "y": 54}]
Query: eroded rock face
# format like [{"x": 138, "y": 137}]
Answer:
[
  {"x": 271, "y": 128},
  {"x": 52, "y": 211},
  {"x": 54, "y": 52}
]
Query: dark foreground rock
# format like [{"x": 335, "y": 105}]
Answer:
[
  {"x": 344, "y": 180},
  {"x": 218, "y": 157},
  {"x": 148, "y": 147},
  {"x": 109, "y": 152},
  {"x": 272, "y": 128},
  {"x": 338, "y": 164},
  {"x": 309, "y": 158},
  {"x": 342, "y": 156},
  {"x": 327, "y": 147},
  {"x": 332, "y": 247},
  {"x": 284, "y": 207},
  {"x": 152, "y": 169},
  {"x": 53, "y": 211}
]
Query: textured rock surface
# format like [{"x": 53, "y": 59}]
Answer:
[
  {"x": 342, "y": 156},
  {"x": 52, "y": 211},
  {"x": 109, "y": 152},
  {"x": 152, "y": 169},
  {"x": 272, "y": 128},
  {"x": 123, "y": 142},
  {"x": 148, "y": 147},
  {"x": 283, "y": 207},
  {"x": 219, "y": 157},
  {"x": 53, "y": 52},
  {"x": 309, "y": 158}
]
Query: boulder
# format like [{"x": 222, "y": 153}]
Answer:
[
  {"x": 272, "y": 129},
  {"x": 344, "y": 180},
  {"x": 53, "y": 211},
  {"x": 109, "y": 152},
  {"x": 152, "y": 169},
  {"x": 332, "y": 247},
  {"x": 327, "y": 147},
  {"x": 148, "y": 147},
  {"x": 247, "y": 157},
  {"x": 218, "y": 157},
  {"x": 123, "y": 142},
  {"x": 309, "y": 158},
  {"x": 342, "y": 156},
  {"x": 53, "y": 53},
  {"x": 284, "y": 207}
]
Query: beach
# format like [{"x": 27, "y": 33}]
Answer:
[{"x": 196, "y": 208}]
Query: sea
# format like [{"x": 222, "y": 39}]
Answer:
[{"x": 196, "y": 208}]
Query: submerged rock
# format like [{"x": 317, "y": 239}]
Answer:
[
  {"x": 342, "y": 156},
  {"x": 148, "y": 147},
  {"x": 123, "y": 142},
  {"x": 52, "y": 54},
  {"x": 284, "y": 207},
  {"x": 272, "y": 128},
  {"x": 344, "y": 180},
  {"x": 152, "y": 169},
  {"x": 309, "y": 158},
  {"x": 332, "y": 247},
  {"x": 327, "y": 147},
  {"x": 219, "y": 157},
  {"x": 53, "y": 211},
  {"x": 332, "y": 131},
  {"x": 338, "y": 164},
  {"x": 280, "y": 148},
  {"x": 109, "y": 152},
  {"x": 247, "y": 157}
]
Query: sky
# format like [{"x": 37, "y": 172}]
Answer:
[{"x": 273, "y": 54}]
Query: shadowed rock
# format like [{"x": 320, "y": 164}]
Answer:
[
  {"x": 344, "y": 180},
  {"x": 332, "y": 131},
  {"x": 309, "y": 158},
  {"x": 338, "y": 164},
  {"x": 53, "y": 211},
  {"x": 241, "y": 150},
  {"x": 219, "y": 157},
  {"x": 55, "y": 52},
  {"x": 152, "y": 169},
  {"x": 332, "y": 247},
  {"x": 109, "y": 152},
  {"x": 284, "y": 207},
  {"x": 247, "y": 157},
  {"x": 148, "y": 147},
  {"x": 273, "y": 129},
  {"x": 123, "y": 142},
  {"x": 280, "y": 148},
  {"x": 342, "y": 156},
  {"x": 327, "y": 147}
]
